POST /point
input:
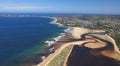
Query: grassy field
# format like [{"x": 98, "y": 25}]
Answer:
[
  {"x": 60, "y": 59},
  {"x": 117, "y": 39}
]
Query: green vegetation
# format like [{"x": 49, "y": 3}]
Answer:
[
  {"x": 110, "y": 24},
  {"x": 60, "y": 58},
  {"x": 117, "y": 39}
]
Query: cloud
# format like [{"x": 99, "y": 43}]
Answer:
[{"x": 13, "y": 6}]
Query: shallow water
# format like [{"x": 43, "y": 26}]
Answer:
[{"x": 82, "y": 56}]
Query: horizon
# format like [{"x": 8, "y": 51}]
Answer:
[
  {"x": 62, "y": 6},
  {"x": 53, "y": 14}
]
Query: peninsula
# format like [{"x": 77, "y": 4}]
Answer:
[{"x": 88, "y": 47}]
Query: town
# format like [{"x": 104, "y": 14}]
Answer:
[{"x": 111, "y": 24}]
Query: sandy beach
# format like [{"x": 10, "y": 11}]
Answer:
[
  {"x": 55, "y": 22},
  {"x": 91, "y": 42}
]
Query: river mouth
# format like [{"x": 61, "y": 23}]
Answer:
[{"x": 81, "y": 56}]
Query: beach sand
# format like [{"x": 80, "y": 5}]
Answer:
[
  {"x": 55, "y": 22},
  {"x": 91, "y": 42}
]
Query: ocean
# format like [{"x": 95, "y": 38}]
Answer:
[{"x": 23, "y": 38}]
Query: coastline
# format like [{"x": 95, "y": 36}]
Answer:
[
  {"x": 53, "y": 45},
  {"x": 54, "y": 48},
  {"x": 76, "y": 32},
  {"x": 37, "y": 50},
  {"x": 55, "y": 22}
]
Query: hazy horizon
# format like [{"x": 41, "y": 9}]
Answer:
[{"x": 62, "y": 6}]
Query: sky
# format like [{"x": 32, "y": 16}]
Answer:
[{"x": 60, "y": 6}]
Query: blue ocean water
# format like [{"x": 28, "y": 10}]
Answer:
[{"x": 21, "y": 38}]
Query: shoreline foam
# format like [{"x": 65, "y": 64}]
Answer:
[
  {"x": 55, "y": 22},
  {"x": 76, "y": 36},
  {"x": 52, "y": 42},
  {"x": 81, "y": 32}
]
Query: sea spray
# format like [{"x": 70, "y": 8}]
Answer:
[
  {"x": 50, "y": 42},
  {"x": 53, "y": 42},
  {"x": 23, "y": 39},
  {"x": 56, "y": 39}
]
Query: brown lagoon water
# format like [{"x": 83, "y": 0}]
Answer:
[{"x": 82, "y": 56}]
